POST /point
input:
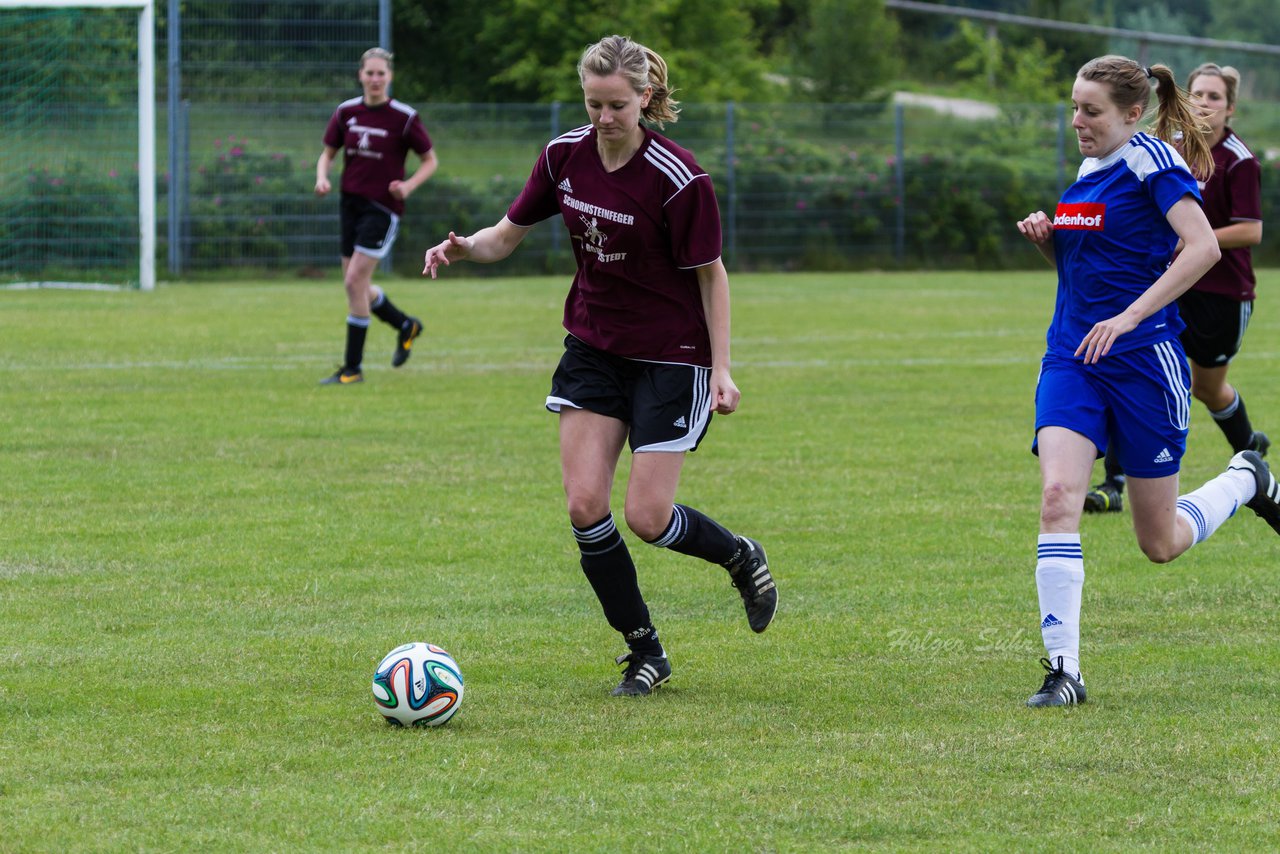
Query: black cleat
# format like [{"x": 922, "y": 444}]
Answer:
[
  {"x": 749, "y": 572},
  {"x": 1104, "y": 498},
  {"x": 404, "y": 341},
  {"x": 1060, "y": 688},
  {"x": 642, "y": 674},
  {"x": 343, "y": 376},
  {"x": 1266, "y": 499},
  {"x": 1259, "y": 442}
]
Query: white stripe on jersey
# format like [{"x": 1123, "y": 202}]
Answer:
[
  {"x": 351, "y": 102},
  {"x": 1143, "y": 154},
  {"x": 1180, "y": 417},
  {"x": 1160, "y": 151},
  {"x": 1237, "y": 147},
  {"x": 404, "y": 108},
  {"x": 570, "y": 137},
  {"x": 669, "y": 164}
]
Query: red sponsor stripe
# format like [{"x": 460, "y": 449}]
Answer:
[{"x": 1080, "y": 216}]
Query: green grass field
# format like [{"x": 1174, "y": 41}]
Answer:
[{"x": 203, "y": 555}]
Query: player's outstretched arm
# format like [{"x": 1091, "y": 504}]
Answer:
[{"x": 484, "y": 247}]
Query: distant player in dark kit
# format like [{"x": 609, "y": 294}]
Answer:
[
  {"x": 1218, "y": 307},
  {"x": 647, "y": 355},
  {"x": 1114, "y": 371},
  {"x": 376, "y": 134}
]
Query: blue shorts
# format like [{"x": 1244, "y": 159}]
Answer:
[{"x": 1140, "y": 399}]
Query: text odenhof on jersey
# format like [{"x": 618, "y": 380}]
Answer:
[{"x": 1080, "y": 216}]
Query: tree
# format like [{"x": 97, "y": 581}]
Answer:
[
  {"x": 848, "y": 51},
  {"x": 1021, "y": 79},
  {"x": 527, "y": 50}
]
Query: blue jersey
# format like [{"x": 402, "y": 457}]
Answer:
[{"x": 1112, "y": 241}]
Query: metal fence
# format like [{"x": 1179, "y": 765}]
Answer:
[
  {"x": 811, "y": 186},
  {"x": 801, "y": 186},
  {"x": 247, "y": 87},
  {"x": 236, "y": 73}
]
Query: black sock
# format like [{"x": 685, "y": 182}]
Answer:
[
  {"x": 1115, "y": 474},
  {"x": 607, "y": 564},
  {"x": 386, "y": 311},
  {"x": 1234, "y": 421},
  {"x": 692, "y": 533},
  {"x": 357, "y": 329}
]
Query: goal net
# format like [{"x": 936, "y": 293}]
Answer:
[{"x": 78, "y": 179}]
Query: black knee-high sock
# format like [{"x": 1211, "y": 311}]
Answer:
[
  {"x": 692, "y": 533},
  {"x": 1234, "y": 422},
  {"x": 607, "y": 564},
  {"x": 1115, "y": 473},
  {"x": 357, "y": 329},
  {"x": 386, "y": 311}
]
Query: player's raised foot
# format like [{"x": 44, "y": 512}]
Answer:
[
  {"x": 343, "y": 376},
  {"x": 642, "y": 674},
  {"x": 1259, "y": 442},
  {"x": 749, "y": 572},
  {"x": 1266, "y": 499},
  {"x": 1104, "y": 498},
  {"x": 411, "y": 329},
  {"x": 1060, "y": 688}
]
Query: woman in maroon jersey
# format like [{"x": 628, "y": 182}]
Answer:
[
  {"x": 646, "y": 359},
  {"x": 376, "y": 134},
  {"x": 1217, "y": 308}
]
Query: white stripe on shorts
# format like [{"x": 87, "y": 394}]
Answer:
[
  {"x": 697, "y": 418},
  {"x": 1180, "y": 416},
  {"x": 1246, "y": 311},
  {"x": 393, "y": 229}
]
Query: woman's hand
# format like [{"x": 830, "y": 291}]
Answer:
[
  {"x": 1104, "y": 333},
  {"x": 724, "y": 394},
  {"x": 454, "y": 248},
  {"x": 1037, "y": 228}
]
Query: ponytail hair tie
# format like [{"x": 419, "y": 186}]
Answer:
[{"x": 1146, "y": 69}]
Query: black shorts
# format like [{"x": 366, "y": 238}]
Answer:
[
  {"x": 667, "y": 406},
  {"x": 367, "y": 227},
  {"x": 1215, "y": 327}
]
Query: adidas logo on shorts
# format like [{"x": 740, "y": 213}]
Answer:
[
  {"x": 1163, "y": 457},
  {"x": 680, "y": 422},
  {"x": 566, "y": 186}
]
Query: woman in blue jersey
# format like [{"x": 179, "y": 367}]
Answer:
[
  {"x": 1114, "y": 368},
  {"x": 1218, "y": 307}
]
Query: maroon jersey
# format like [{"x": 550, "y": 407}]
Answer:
[
  {"x": 639, "y": 234},
  {"x": 1233, "y": 194},
  {"x": 375, "y": 142}
]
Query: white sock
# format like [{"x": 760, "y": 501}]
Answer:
[
  {"x": 1060, "y": 581},
  {"x": 1216, "y": 502}
]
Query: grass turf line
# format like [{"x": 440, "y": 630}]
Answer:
[{"x": 203, "y": 555}]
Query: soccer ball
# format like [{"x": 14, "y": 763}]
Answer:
[{"x": 418, "y": 684}]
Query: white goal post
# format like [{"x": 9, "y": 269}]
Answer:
[{"x": 146, "y": 118}]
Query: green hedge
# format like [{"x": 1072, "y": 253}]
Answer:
[{"x": 796, "y": 205}]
